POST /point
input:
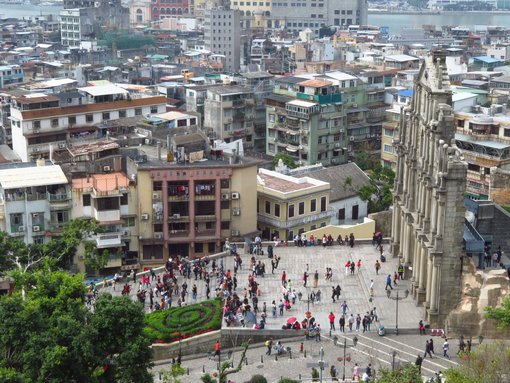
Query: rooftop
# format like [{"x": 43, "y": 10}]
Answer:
[
  {"x": 94, "y": 147},
  {"x": 315, "y": 83},
  {"x": 302, "y": 103},
  {"x": 30, "y": 176},
  {"x": 226, "y": 90},
  {"x": 269, "y": 179},
  {"x": 487, "y": 59},
  {"x": 102, "y": 182},
  {"x": 400, "y": 58},
  {"x": 103, "y": 90}
]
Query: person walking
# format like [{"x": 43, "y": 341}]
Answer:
[
  {"x": 269, "y": 345},
  {"x": 446, "y": 347},
  {"x": 400, "y": 272},
  {"x": 351, "y": 322},
  {"x": 358, "y": 265},
  {"x": 358, "y": 322},
  {"x": 428, "y": 350},
  {"x": 371, "y": 287},
  {"x": 318, "y": 333},
  {"x": 217, "y": 349},
  {"x": 344, "y": 307},
  {"x": 418, "y": 362},
  {"x": 377, "y": 267},
  {"x": 284, "y": 278},
  {"x": 388, "y": 282},
  {"x": 315, "y": 279},
  {"x": 331, "y": 318},
  {"x": 341, "y": 322},
  {"x": 431, "y": 341}
]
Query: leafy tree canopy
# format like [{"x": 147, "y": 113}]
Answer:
[
  {"x": 500, "y": 314},
  {"x": 409, "y": 373},
  {"x": 287, "y": 160},
  {"x": 50, "y": 336}
]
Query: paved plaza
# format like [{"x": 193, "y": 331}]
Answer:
[{"x": 378, "y": 351}]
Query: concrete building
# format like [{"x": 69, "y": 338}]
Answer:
[
  {"x": 161, "y": 9},
  {"x": 222, "y": 35},
  {"x": 483, "y": 135},
  {"x": 299, "y": 15},
  {"x": 345, "y": 181},
  {"x": 34, "y": 200},
  {"x": 112, "y": 200},
  {"x": 140, "y": 13},
  {"x": 288, "y": 205},
  {"x": 229, "y": 113},
  {"x": 39, "y": 120},
  {"x": 193, "y": 207},
  {"x": 10, "y": 75},
  {"x": 428, "y": 215},
  {"x": 305, "y": 120}
]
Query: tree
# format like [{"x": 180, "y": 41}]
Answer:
[
  {"x": 20, "y": 259},
  {"x": 409, "y": 373},
  {"x": 287, "y": 160},
  {"x": 378, "y": 191},
  {"x": 51, "y": 337},
  {"x": 489, "y": 363},
  {"x": 500, "y": 314},
  {"x": 172, "y": 375},
  {"x": 225, "y": 368},
  {"x": 365, "y": 161},
  {"x": 287, "y": 380},
  {"x": 258, "y": 379}
]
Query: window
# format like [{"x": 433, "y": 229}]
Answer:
[
  {"x": 355, "y": 210},
  {"x": 301, "y": 208},
  {"x": 225, "y": 204},
  {"x": 106, "y": 115},
  {"x": 268, "y": 207},
  {"x": 506, "y": 132},
  {"x": 122, "y": 114},
  {"x": 199, "y": 247},
  {"x": 124, "y": 199},
  {"x": 271, "y": 118},
  {"x": 89, "y": 118},
  {"x": 225, "y": 225},
  {"x": 37, "y": 124},
  {"x": 72, "y": 120},
  {"x": 341, "y": 214},
  {"x": 388, "y": 148},
  {"x": 138, "y": 111},
  {"x": 323, "y": 203},
  {"x": 86, "y": 200},
  {"x": 54, "y": 122},
  {"x": 129, "y": 221},
  {"x": 313, "y": 205},
  {"x": 157, "y": 185},
  {"x": 291, "y": 211},
  {"x": 388, "y": 132},
  {"x": 17, "y": 219},
  {"x": 276, "y": 210},
  {"x": 154, "y": 109}
]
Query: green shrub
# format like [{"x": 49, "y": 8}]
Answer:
[
  {"x": 163, "y": 326},
  {"x": 258, "y": 379}
]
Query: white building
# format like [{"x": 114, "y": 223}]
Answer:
[
  {"x": 222, "y": 35},
  {"x": 39, "y": 121},
  {"x": 34, "y": 200}
]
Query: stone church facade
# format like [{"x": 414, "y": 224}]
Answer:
[{"x": 428, "y": 216}]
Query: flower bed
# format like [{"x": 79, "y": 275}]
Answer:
[{"x": 163, "y": 326}]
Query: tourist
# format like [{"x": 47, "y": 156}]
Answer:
[
  {"x": 428, "y": 350},
  {"x": 377, "y": 267},
  {"x": 344, "y": 307},
  {"x": 315, "y": 279},
  {"x": 446, "y": 347},
  {"x": 388, "y": 282},
  {"x": 331, "y": 318},
  {"x": 418, "y": 362}
]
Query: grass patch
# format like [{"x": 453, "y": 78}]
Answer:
[{"x": 163, "y": 326}]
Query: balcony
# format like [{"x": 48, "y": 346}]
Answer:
[
  {"x": 36, "y": 196},
  {"x": 179, "y": 233},
  {"x": 205, "y": 233},
  {"x": 205, "y": 197},
  {"x": 205, "y": 218},
  {"x": 107, "y": 215},
  {"x": 114, "y": 260},
  {"x": 109, "y": 193},
  {"x": 59, "y": 201},
  {"x": 105, "y": 240}
]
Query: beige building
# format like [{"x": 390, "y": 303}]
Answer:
[
  {"x": 112, "y": 200},
  {"x": 191, "y": 208},
  {"x": 139, "y": 13},
  {"x": 388, "y": 153},
  {"x": 288, "y": 205}
]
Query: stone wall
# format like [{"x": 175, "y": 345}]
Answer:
[
  {"x": 382, "y": 221},
  {"x": 479, "y": 290},
  {"x": 500, "y": 186},
  {"x": 492, "y": 223}
]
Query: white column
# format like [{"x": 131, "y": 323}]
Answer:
[
  {"x": 433, "y": 220},
  {"x": 435, "y": 286},
  {"x": 416, "y": 262},
  {"x": 429, "y": 280},
  {"x": 410, "y": 244},
  {"x": 440, "y": 218},
  {"x": 423, "y": 267}
]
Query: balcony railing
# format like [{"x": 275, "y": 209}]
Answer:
[
  {"x": 295, "y": 221},
  {"x": 36, "y": 196},
  {"x": 204, "y": 218},
  {"x": 59, "y": 197},
  {"x": 107, "y": 215},
  {"x": 105, "y": 240}
]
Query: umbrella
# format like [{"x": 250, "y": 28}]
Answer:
[{"x": 291, "y": 320}]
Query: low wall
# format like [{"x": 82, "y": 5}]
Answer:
[
  {"x": 231, "y": 337},
  {"x": 382, "y": 221},
  {"x": 363, "y": 230}
]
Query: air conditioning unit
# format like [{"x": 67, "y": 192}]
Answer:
[
  {"x": 35, "y": 150},
  {"x": 342, "y": 130},
  {"x": 235, "y": 233},
  {"x": 82, "y": 257},
  {"x": 372, "y": 135},
  {"x": 225, "y": 196},
  {"x": 36, "y": 228},
  {"x": 337, "y": 145},
  {"x": 158, "y": 236},
  {"x": 106, "y": 168},
  {"x": 334, "y": 160},
  {"x": 145, "y": 216},
  {"x": 155, "y": 196},
  {"x": 354, "y": 105},
  {"x": 235, "y": 195},
  {"x": 176, "y": 216},
  {"x": 482, "y": 170},
  {"x": 351, "y": 138},
  {"x": 62, "y": 146},
  {"x": 126, "y": 233},
  {"x": 236, "y": 212},
  {"x": 147, "y": 141},
  {"x": 21, "y": 228},
  {"x": 35, "y": 215},
  {"x": 36, "y": 130}
]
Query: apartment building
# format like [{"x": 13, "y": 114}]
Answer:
[
  {"x": 111, "y": 199},
  {"x": 484, "y": 138},
  {"x": 191, "y": 208},
  {"x": 10, "y": 74},
  {"x": 297, "y": 15},
  {"x": 222, "y": 35},
  {"x": 161, "y": 9},
  {"x": 305, "y": 120},
  {"x": 229, "y": 113},
  {"x": 288, "y": 205},
  {"x": 40, "y": 121},
  {"x": 35, "y": 200}
]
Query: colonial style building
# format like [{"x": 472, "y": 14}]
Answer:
[{"x": 428, "y": 216}]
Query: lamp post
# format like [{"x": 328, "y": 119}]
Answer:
[
  {"x": 354, "y": 342},
  {"x": 393, "y": 355},
  {"x": 397, "y": 298},
  {"x": 321, "y": 363}
]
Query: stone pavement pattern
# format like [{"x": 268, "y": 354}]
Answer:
[{"x": 370, "y": 349}]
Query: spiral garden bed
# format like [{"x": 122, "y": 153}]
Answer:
[{"x": 183, "y": 322}]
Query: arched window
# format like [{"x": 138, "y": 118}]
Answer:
[
  {"x": 186, "y": 10},
  {"x": 154, "y": 10},
  {"x": 139, "y": 11},
  {"x": 179, "y": 11},
  {"x": 162, "y": 10},
  {"x": 168, "y": 11},
  {"x": 174, "y": 11},
  {"x": 248, "y": 13},
  {"x": 269, "y": 24},
  {"x": 241, "y": 13},
  {"x": 267, "y": 13}
]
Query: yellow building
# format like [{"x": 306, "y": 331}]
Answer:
[
  {"x": 190, "y": 209},
  {"x": 288, "y": 205}
]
